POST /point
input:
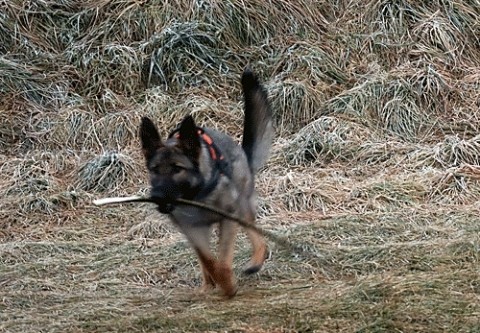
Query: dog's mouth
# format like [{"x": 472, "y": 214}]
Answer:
[{"x": 164, "y": 205}]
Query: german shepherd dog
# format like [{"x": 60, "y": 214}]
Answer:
[{"x": 207, "y": 166}]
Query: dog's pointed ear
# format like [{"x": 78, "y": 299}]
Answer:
[
  {"x": 149, "y": 137},
  {"x": 188, "y": 137}
]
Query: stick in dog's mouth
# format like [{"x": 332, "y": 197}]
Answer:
[
  {"x": 138, "y": 198},
  {"x": 118, "y": 200}
]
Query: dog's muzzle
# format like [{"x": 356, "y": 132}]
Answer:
[{"x": 164, "y": 205}]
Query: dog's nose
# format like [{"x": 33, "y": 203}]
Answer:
[
  {"x": 157, "y": 195},
  {"x": 164, "y": 204},
  {"x": 165, "y": 208}
]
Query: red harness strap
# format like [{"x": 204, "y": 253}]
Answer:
[
  {"x": 215, "y": 154},
  {"x": 211, "y": 147}
]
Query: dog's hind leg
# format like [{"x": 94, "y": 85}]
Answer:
[{"x": 259, "y": 248}]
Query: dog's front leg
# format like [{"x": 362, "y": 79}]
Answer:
[
  {"x": 207, "y": 280},
  {"x": 217, "y": 272},
  {"x": 226, "y": 247},
  {"x": 199, "y": 238}
]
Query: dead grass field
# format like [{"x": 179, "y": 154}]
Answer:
[{"x": 374, "y": 177}]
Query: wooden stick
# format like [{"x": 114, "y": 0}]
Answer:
[
  {"x": 117, "y": 200},
  {"x": 136, "y": 198}
]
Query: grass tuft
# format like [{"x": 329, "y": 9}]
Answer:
[
  {"x": 105, "y": 173},
  {"x": 180, "y": 54}
]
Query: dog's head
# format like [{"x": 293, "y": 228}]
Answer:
[{"x": 173, "y": 164}]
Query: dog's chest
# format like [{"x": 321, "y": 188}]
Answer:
[{"x": 192, "y": 216}]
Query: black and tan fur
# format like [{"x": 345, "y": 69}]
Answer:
[{"x": 208, "y": 166}]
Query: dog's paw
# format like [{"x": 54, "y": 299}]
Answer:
[
  {"x": 256, "y": 263},
  {"x": 252, "y": 269},
  {"x": 231, "y": 292}
]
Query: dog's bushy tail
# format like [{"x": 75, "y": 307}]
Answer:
[{"x": 258, "y": 128}]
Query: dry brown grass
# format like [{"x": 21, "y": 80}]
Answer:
[{"x": 374, "y": 177}]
